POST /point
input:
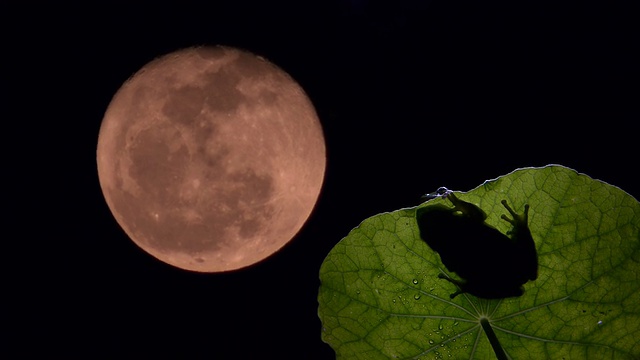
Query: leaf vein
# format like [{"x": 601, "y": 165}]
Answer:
[
  {"x": 457, "y": 336},
  {"x": 538, "y": 338}
]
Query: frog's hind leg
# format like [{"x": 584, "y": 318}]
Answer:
[{"x": 457, "y": 283}]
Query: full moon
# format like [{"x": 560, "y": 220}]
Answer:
[{"x": 211, "y": 158}]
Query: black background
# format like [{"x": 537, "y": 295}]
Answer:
[{"x": 412, "y": 95}]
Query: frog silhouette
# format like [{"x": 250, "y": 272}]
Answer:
[{"x": 491, "y": 264}]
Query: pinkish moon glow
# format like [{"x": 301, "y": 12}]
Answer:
[{"x": 211, "y": 158}]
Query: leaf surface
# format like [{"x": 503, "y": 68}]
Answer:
[{"x": 380, "y": 296}]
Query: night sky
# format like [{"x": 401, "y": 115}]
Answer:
[{"x": 411, "y": 96}]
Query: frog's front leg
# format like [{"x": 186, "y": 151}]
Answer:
[
  {"x": 520, "y": 222},
  {"x": 467, "y": 209},
  {"x": 524, "y": 245}
]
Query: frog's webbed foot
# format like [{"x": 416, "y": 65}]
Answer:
[
  {"x": 518, "y": 221},
  {"x": 457, "y": 283}
]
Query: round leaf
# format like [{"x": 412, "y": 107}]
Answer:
[{"x": 380, "y": 295}]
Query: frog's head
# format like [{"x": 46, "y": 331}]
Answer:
[{"x": 441, "y": 192}]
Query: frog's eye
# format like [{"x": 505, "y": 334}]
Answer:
[{"x": 442, "y": 191}]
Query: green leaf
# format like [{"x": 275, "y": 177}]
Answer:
[{"x": 380, "y": 296}]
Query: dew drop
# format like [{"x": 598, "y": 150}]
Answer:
[
  {"x": 415, "y": 281},
  {"x": 440, "y": 327},
  {"x": 600, "y": 323},
  {"x": 416, "y": 296},
  {"x": 456, "y": 323},
  {"x": 431, "y": 342}
]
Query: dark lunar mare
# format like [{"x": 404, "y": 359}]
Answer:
[{"x": 491, "y": 264}]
